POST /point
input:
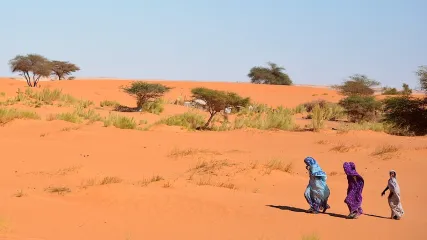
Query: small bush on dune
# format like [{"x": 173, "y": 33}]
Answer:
[
  {"x": 365, "y": 126},
  {"x": 281, "y": 119},
  {"x": 189, "y": 120},
  {"x": 408, "y": 114},
  {"x": 361, "y": 108},
  {"x": 7, "y": 115},
  {"x": 72, "y": 117},
  {"x": 318, "y": 117},
  {"x": 88, "y": 114},
  {"x": 155, "y": 107},
  {"x": 121, "y": 122}
]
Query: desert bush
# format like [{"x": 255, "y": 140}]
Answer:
[
  {"x": 189, "y": 120},
  {"x": 88, "y": 114},
  {"x": 119, "y": 121},
  {"x": 145, "y": 92},
  {"x": 299, "y": 109},
  {"x": 361, "y": 108},
  {"x": 357, "y": 84},
  {"x": 155, "y": 107},
  {"x": 422, "y": 75},
  {"x": 330, "y": 111},
  {"x": 390, "y": 91},
  {"x": 409, "y": 115},
  {"x": 318, "y": 117},
  {"x": 280, "y": 119},
  {"x": 108, "y": 103},
  {"x": 309, "y": 106},
  {"x": 273, "y": 75},
  {"x": 72, "y": 117},
  {"x": 364, "y": 126},
  {"x": 217, "y": 101},
  {"x": 9, "y": 114}
]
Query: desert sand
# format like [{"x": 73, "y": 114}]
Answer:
[{"x": 235, "y": 197}]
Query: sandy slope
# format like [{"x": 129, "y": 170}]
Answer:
[{"x": 37, "y": 154}]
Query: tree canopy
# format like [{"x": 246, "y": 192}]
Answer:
[
  {"x": 145, "y": 92},
  {"x": 217, "y": 101},
  {"x": 422, "y": 74},
  {"x": 357, "y": 84},
  {"x": 61, "y": 69},
  {"x": 273, "y": 75},
  {"x": 32, "y": 67}
]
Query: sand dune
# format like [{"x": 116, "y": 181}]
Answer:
[{"x": 168, "y": 183}]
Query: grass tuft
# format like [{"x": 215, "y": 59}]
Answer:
[
  {"x": 110, "y": 180},
  {"x": 58, "y": 190},
  {"x": 277, "y": 164},
  {"x": 385, "y": 149},
  {"x": 108, "y": 103},
  {"x": 119, "y": 121},
  {"x": 188, "y": 120},
  {"x": 7, "y": 115}
]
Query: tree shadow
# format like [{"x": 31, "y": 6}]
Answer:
[{"x": 299, "y": 210}]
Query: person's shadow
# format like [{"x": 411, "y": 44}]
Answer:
[{"x": 299, "y": 210}]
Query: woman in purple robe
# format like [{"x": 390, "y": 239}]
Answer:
[{"x": 354, "y": 190}]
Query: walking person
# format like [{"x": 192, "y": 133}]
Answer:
[
  {"x": 317, "y": 191},
  {"x": 354, "y": 190},
  {"x": 394, "y": 199}
]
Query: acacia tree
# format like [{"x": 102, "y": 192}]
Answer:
[
  {"x": 357, "y": 84},
  {"x": 217, "y": 101},
  {"x": 32, "y": 67},
  {"x": 62, "y": 69},
  {"x": 144, "y": 92},
  {"x": 269, "y": 75},
  {"x": 422, "y": 74}
]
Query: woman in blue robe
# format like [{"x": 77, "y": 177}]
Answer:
[{"x": 317, "y": 192}]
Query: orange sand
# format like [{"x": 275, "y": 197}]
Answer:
[{"x": 37, "y": 154}]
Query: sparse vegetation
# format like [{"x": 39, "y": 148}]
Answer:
[
  {"x": 342, "y": 148},
  {"x": 108, "y": 103},
  {"x": 357, "y": 85},
  {"x": 273, "y": 75},
  {"x": 9, "y": 114},
  {"x": 110, "y": 180},
  {"x": 119, "y": 121},
  {"x": 155, "y": 107},
  {"x": 145, "y": 92},
  {"x": 146, "y": 181},
  {"x": 58, "y": 190},
  {"x": 277, "y": 164},
  {"x": 280, "y": 119},
  {"x": 311, "y": 237},
  {"x": 365, "y": 126},
  {"x": 19, "y": 194},
  {"x": 188, "y": 120},
  {"x": 385, "y": 149}
]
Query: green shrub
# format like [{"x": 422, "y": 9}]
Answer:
[
  {"x": 189, "y": 120},
  {"x": 390, "y": 91},
  {"x": 155, "y": 107},
  {"x": 119, "y": 121},
  {"x": 7, "y": 115},
  {"x": 318, "y": 117},
  {"x": 364, "y": 126},
  {"x": 409, "y": 115},
  {"x": 361, "y": 108}
]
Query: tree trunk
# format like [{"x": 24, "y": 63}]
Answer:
[{"x": 209, "y": 120}]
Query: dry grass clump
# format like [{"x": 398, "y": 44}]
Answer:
[
  {"x": 110, "y": 180},
  {"x": 146, "y": 181},
  {"x": 385, "y": 149},
  {"x": 365, "y": 126},
  {"x": 279, "y": 165},
  {"x": 281, "y": 119},
  {"x": 177, "y": 152},
  {"x": 208, "y": 182},
  {"x": 108, "y": 103},
  {"x": 119, "y": 121},
  {"x": 343, "y": 148},
  {"x": 188, "y": 120},
  {"x": 19, "y": 194},
  {"x": 58, "y": 190},
  {"x": 311, "y": 237},
  {"x": 9, "y": 114}
]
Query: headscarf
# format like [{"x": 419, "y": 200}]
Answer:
[
  {"x": 350, "y": 169},
  {"x": 393, "y": 185},
  {"x": 314, "y": 168}
]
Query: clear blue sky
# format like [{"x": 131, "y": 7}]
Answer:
[{"x": 318, "y": 42}]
